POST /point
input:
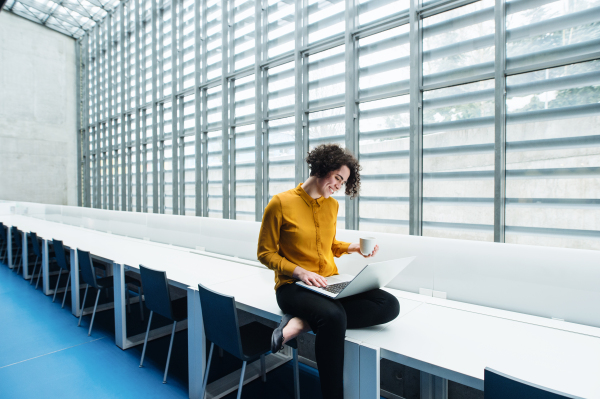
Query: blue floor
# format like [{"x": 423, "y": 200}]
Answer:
[{"x": 44, "y": 354}]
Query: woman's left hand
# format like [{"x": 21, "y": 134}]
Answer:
[{"x": 355, "y": 247}]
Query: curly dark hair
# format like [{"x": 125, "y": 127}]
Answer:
[{"x": 329, "y": 157}]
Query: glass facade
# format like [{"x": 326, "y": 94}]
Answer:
[{"x": 471, "y": 120}]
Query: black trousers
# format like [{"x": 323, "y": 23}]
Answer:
[{"x": 329, "y": 318}]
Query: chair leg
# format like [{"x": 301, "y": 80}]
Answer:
[
  {"x": 141, "y": 304},
  {"x": 296, "y": 370},
  {"x": 239, "y": 395},
  {"x": 20, "y": 264},
  {"x": 37, "y": 282},
  {"x": 169, "y": 355},
  {"x": 83, "y": 305},
  {"x": 66, "y": 290},
  {"x": 34, "y": 268},
  {"x": 56, "y": 288},
  {"x": 94, "y": 313},
  {"x": 146, "y": 339},
  {"x": 263, "y": 368},
  {"x": 212, "y": 346}
]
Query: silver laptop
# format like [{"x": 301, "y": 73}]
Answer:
[{"x": 372, "y": 276}]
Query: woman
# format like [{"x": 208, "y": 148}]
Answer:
[{"x": 297, "y": 241}]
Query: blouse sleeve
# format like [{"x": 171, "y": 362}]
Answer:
[
  {"x": 268, "y": 240},
  {"x": 338, "y": 248}
]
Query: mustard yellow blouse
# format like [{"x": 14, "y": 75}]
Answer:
[{"x": 298, "y": 230}]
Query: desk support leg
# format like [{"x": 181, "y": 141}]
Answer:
[
  {"x": 120, "y": 313},
  {"x": 351, "y": 369},
  {"x": 45, "y": 268},
  {"x": 75, "y": 295},
  {"x": 25, "y": 257},
  {"x": 369, "y": 372},
  {"x": 9, "y": 246},
  {"x": 433, "y": 387},
  {"x": 196, "y": 344}
]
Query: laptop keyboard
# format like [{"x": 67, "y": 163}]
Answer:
[{"x": 336, "y": 288}]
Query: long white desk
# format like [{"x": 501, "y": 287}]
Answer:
[
  {"x": 184, "y": 269},
  {"x": 446, "y": 339}
]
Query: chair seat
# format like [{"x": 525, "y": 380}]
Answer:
[
  {"x": 179, "y": 307},
  {"x": 256, "y": 340}
]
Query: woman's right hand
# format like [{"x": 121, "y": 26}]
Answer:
[{"x": 309, "y": 278}]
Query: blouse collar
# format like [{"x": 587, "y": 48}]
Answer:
[{"x": 307, "y": 198}]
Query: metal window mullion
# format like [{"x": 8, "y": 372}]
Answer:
[
  {"x": 161, "y": 115},
  {"x": 138, "y": 103},
  {"x": 87, "y": 96},
  {"x": 225, "y": 22},
  {"x": 97, "y": 157},
  {"x": 299, "y": 18},
  {"x": 79, "y": 118},
  {"x": 231, "y": 114},
  {"x": 416, "y": 121},
  {"x": 161, "y": 163},
  {"x": 260, "y": 33},
  {"x": 144, "y": 171},
  {"x": 351, "y": 116},
  {"x": 204, "y": 113},
  {"x": 181, "y": 153},
  {"x": 199, "y": 40},
  {"x": 123, "y": 115},
  {"x": 110, "y": 125},
  {"x": 105, "y": 117},
  {"x": 204, "y": 151},
  {"x": 153, "y": 43},
  {"x": 174, "y": 109},
  {"x": 231, "y": 132},
  {"x": 500, "y": 122}
]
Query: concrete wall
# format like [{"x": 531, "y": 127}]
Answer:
[{"x": 38, "y": 132}]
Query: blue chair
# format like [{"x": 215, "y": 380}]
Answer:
[
  {"x": 61, "y": 259},
  {"x": 248, "y": 343},
  {"x": 501, "y": 386},
  {"x": 158, "y": 299},
  {"x": 3, "y": 243},
  {"x": 17, "y": 248},
  {"x": 88, "y": 275},
  {"x": 35, "y": 246}
]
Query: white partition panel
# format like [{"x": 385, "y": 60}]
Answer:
[
  {"x": 96, "y": 219},
  {"x": 183, "y": 231},
  {"x": 230, "y": 237},
  {"x": 418, "y": 275},
  {"x": 53, "y": 213},
  {"x": 72, "y": 215},
  {"x": 6, "y": 208},
  {"x": 130, "y": 224},
  {"x": 549, "y": 282}
]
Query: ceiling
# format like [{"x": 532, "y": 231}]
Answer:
[{"x": 71, "y": 17}]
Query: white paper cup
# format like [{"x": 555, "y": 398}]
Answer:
[{"x": 367, "y": 245}]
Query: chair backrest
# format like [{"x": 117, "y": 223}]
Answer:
[
  {"x": 220, "y": 320},
  {"x": 87, "y": 267},
  {"x": 16, "y": 237},
  {"x": 2, "y": 231},
  {"x": 35, "y": 245},
  {"x": 156, "y": 291},
  {"x": 59, "y": 253},
  {"x": 497, "y": 385}
]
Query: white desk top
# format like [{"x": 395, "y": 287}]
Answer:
[
  {"x": 183, "y": 267},
  {"x": 465, "y": 343}
]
